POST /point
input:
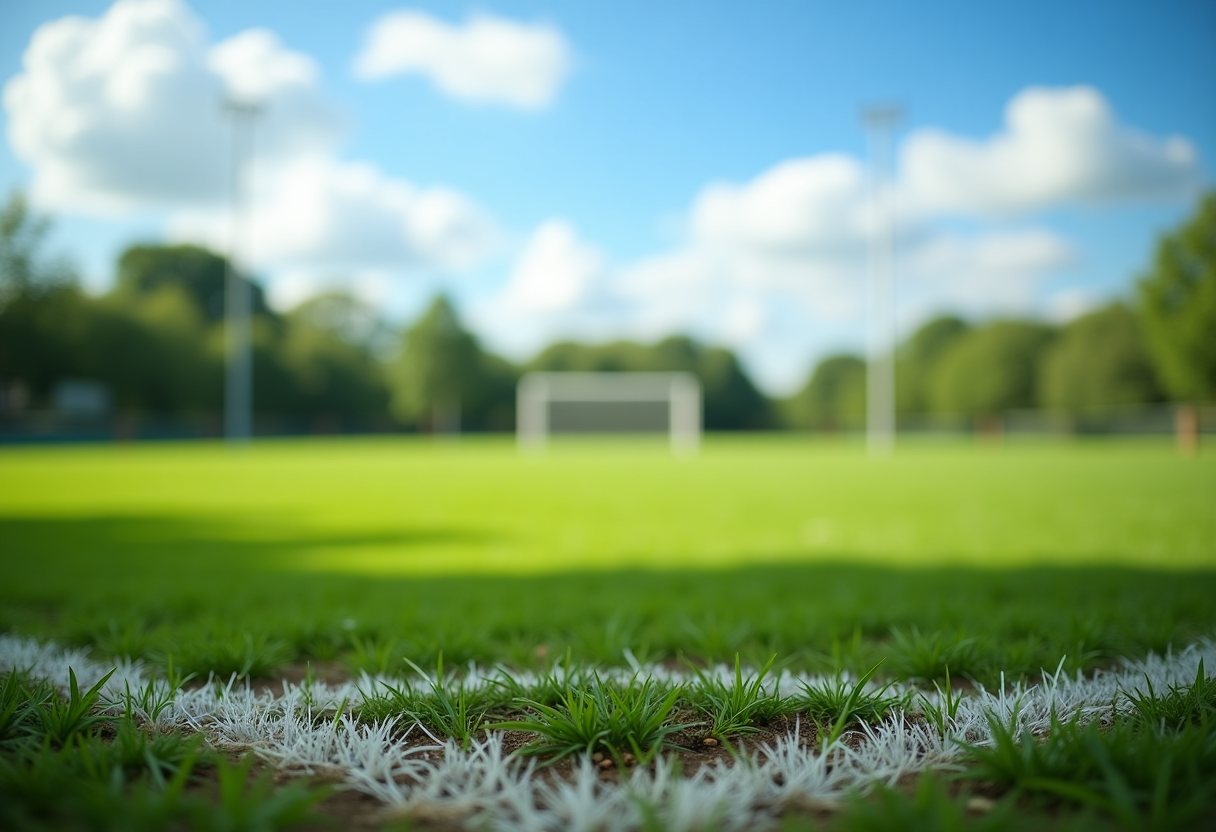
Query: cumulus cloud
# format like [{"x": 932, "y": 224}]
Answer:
[
  {"x": 256, "y": 67},
  {"x": 997, "y": 271},
  {"x": 331, "y": 215},
  {"x": 795, "y": 236},
  {"x": 487, "y": 59},
  {"x": 292, "y": 287},
  {"x": 744, "y": 321},
  {"x": 1067, "y": 304},
  {"x": 1058, "y": 146},
  {"x": 775, "y": 265},
  {"x": 797, "y": 229},
  {"x": 554, "y": 273},
  {"x": 801, "y": 206},
  {"x": 125, "y": 111}
]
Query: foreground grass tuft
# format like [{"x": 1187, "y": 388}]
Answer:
[
  {"x": 737, "y": 708},
  {"x": 839, "y": 703},
  {"x": 633, "y": 719},
  {"x": 1182, "y": 706},
  {"x": 1141, "y": 777}
]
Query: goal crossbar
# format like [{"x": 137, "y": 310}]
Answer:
[{"x": 538, "y": 392}]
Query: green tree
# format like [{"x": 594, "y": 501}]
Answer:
[
  {"x": 43, "y": 338},
  {"x": 48, "y": 337},
  {"x": 328, "y": 349},
  {"x": 153, "y": 352},
  {"x": 917, "y": 359},
  {"x": 347, "y": 319},
  {"x": 990, "y": 369},
  {"x": 203, "y": 274},
  {"x": 612, "y": 357},
  {"x": 24, "y": 270},
  {"x": 1178, "y": 307},
  {"x": 42, "y": 311},
  {"x": 834, "y": 397},
  {"x": 443, "y": 379},
  {"x": 157, "y": 340},
  {"x": 1099, "y": 360}
]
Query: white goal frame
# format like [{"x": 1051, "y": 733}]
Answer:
[{"x": 681, "y": 392}]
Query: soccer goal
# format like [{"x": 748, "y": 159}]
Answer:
[{"x": 606, "y": 403}]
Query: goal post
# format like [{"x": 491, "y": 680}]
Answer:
[{"x": 591, "y": 403}]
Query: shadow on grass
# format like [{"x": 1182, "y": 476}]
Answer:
[
  {"x": 74, "y": 578},
  {"x": 168, "y": 546}
]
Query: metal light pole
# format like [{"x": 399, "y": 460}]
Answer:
[
  {"x": 880, "y": 123},
  {"x": 238, "y": 378}
]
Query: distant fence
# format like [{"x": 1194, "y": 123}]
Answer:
[
  {"x": 1125, "y": 420},
  {"x": 24, "y": 427}
]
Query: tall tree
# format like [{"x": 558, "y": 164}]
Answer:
[
  {"x": 329, "y": 347},
  {"x": 442, "y": 378},
  {"x": 990, "y": 369},
  {"x": 347, "y": 319},
  {"x": 43, "y": 314},
  {"x": 145, "y": 269},
  {"x": 1099, "y": 360},
  {"x": 834, "y": 396},
  {"x": 24, "y": 267},
  {"x": 1178, "y": 307},
  {"x": 917, "y": 360}
]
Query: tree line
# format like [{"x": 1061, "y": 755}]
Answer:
[
  {"x": 156, "y": 341},
  {"x": 1158, "y": 346}
]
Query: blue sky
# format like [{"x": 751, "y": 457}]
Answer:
[{"x": 598, "y": 170}]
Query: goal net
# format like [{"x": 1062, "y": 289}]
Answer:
[{"x": 607, "y": 403}]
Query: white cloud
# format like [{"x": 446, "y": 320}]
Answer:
[
  {"x": 776, "y": 265},
  {"x": 488, "y": 59},
  {"x": 125, "y": 112},
  {"x": 559, "y": 286},
  {"x": 1067, "y": 304},
  {"x": 766, "y": 264},
  {"x": 792, "y": 241},
  {"x": 776, "y": 268},
  {"x": 1059, "y": 146},
  {"x": 814, "y": 205},
  {"x": 256, "y": 67},
  {"x": 291, "y": 287},
  {"x": 744, "y": 322},
  {"x": 554, "y": 272},
  {"x": 326, "y": 215},
  {"x": 797, "y": 230},
  {"x": 992, "y": 272}
]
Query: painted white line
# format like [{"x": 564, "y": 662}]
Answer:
[{"x": 484, "y": 784}]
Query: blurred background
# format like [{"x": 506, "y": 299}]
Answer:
[{"x": 425, "y": 202}]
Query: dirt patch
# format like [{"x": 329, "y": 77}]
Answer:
[
  {"x": 331, "y": 673},
  {"x": 349, "y": 809}
]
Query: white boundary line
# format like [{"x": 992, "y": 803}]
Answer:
[{"x": 486, "y": 786}]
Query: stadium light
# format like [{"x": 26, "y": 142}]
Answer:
[
  {"x": 238, "y": 378},
  {"x": 880, "y": 123}
]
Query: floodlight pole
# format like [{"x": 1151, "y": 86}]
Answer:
[
  {"x": 238, "y": 378},
  {"x": 880, "y": 123}
]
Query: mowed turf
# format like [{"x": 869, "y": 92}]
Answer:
[
  {"x": 758, "y": 543},
  {"x": 402, "y": 506},
  {"x": 947, "y": 562}
]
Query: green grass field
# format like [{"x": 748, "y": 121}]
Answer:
[
  {"x": 803, "y": 539},
  {"x": 364, "y": 553},
  {"x": 401, "y": 507}
]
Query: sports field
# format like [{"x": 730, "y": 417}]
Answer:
[{"x": 987, "y": 563}]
